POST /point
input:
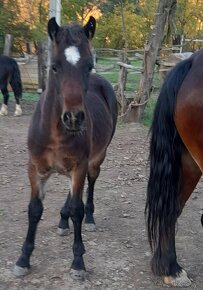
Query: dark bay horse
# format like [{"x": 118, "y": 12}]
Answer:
[
  {"x": 10, "y": 74},
  {"x": 176, "y": 162},
  {"x": 69, "y": 133}
]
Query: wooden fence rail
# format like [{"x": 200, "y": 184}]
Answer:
[{"x": 29, "y": 66}]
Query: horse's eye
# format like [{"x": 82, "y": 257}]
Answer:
[
  {"x": 90, "y": 66},
  {"x": 54, "y": 68}
]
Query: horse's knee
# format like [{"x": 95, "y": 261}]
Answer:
[
  {"x": 89, "y": 208},
  {"x": 76, "y": 210},
  {"x": 35, "y": 210}
]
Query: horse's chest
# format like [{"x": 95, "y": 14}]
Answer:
[
  {"x": 57, "y": 158},
  {"x": 61, "y": 159}
]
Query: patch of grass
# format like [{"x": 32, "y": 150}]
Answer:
[
  {"x": 149, "y": 111},
  {"x": 133, "y": 80},
  {"x": 111, "y": 76},
  {"x": 27, "y": 96},
  {"x": 30, "y": 96}
]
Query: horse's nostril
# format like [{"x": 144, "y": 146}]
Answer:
[
  {"x": 80, "y": 116},
  {"x": 66, "y": 117},
  {"x": 73, "y": 120}
]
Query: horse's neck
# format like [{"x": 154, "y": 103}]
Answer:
[
  {"x": 50, "y": 108},
  {"x": 52, "y": 102}
]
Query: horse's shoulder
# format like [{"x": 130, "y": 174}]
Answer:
[{"x": 98, "y": 79}]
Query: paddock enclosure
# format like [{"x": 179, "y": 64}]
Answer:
[{"x": 118, "y": 253}]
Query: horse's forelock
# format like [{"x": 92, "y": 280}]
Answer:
[{"x": 72, "y": 34}]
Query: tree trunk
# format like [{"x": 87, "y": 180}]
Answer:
[
  {"x": 151, "y": 50},
  {"x": 122, "y": 77}
]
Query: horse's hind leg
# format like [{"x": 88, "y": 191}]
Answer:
[
  {"x": 63, "y": 227},
  {"x": 4, "y": 107},
  {"x": 17, "y": 89},
  {"x": 35, "y": 211},
  {"x": 89, "y": 206},
  {"x": 174, "y": 275}
]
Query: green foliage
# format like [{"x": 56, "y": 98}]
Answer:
[
  {"x": 78, "y": 9},
  {"x": 149, "y": 111},
  {"x": 137, "y": 20},
  {"x": 28, "y": 21},
  {"x": 24, "y": 22},
  {"x": 190, "y": 18}
]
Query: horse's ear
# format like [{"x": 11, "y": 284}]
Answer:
[
  {"x": 53, "y": 28},
  {"x": 90, "y": 27}
]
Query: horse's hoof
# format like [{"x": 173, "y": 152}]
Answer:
[
  {"x": 18, "y": 111},
  {"x": 90, "y": 227},
  {"x": 181, "y": 280},
  {"x": 20, "y": 271},
  {"x": 63, "y": 232},
  {"x": 4, "y": 110},
  {"x": 77, "y": 274}
]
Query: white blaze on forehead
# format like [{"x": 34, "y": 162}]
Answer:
[{"x": 72, "y": 54}]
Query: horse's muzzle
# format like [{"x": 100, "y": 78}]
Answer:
[{"x": 73, "y": 121}]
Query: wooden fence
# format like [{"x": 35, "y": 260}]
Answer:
[
  {"x": 29, "y": 72},
  {"x": 108, "y": 61}
]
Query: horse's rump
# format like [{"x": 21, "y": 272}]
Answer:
[
  {"x": 10, "y": 73},
  {"x": 176, "y": 162}
]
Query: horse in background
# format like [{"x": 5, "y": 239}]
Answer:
[
  {"x": 176, "y": 162},
  {"x": 69, "y": 133},
  {"x": 10, "y": 74}
]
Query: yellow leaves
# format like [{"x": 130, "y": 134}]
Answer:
[
  {"x": 190, "y": 17},
  {"x": 93, "y": 11}
]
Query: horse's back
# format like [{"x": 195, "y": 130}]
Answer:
[
  {"x": 6, "y": 68},
  {"x": 7, "y": 61},
  {"x": 101, "y": 107},
  {"x": 100, "y": 92}
]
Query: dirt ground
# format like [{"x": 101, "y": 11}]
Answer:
[{"x": 117, "y": 254}]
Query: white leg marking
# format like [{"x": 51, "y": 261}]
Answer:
[
  {"x": 4, "y": 110},
  {"x": 18, "y": 111}
]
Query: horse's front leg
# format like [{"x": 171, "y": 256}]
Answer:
[
  {"x": 4, "y": 107},
  {"x": 76, "y": 213},
  {"x": 35, "y": 210},
  {"x": 93, "y": 173}
]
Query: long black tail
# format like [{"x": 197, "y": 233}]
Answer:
[
  {"x": 162, "y": 205},
  {"x": 15, "y": 80}
]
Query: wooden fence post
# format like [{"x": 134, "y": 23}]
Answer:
[
  {"x": 7, "y": 44},
  {"x": 42, "y": 68},
  {"x": 122, "y": 79}
]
